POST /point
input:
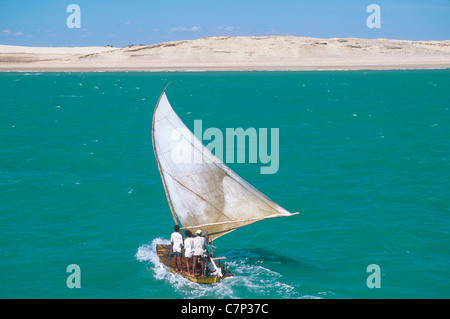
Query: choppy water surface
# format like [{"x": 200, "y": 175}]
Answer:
[{"x": 363, "y": 155}]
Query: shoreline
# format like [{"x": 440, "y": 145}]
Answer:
[
  {"x": 85, "y": 70},
  {"x": 225, "y": 69},
  {"x": 263, "y": 53}
]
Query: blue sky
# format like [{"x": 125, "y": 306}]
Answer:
[{"x": 124, "y": 22}]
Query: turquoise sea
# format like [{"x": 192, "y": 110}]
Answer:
[{"x": 364, "y": 156}]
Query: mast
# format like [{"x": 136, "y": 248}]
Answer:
[{"x": 157, "y": 158}]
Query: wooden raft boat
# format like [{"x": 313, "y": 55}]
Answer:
[
  {"x": 202, "y": 192},
  {"x": 163, "y": 254}
]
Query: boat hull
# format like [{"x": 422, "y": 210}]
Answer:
[{"x": 163, "y": 254}]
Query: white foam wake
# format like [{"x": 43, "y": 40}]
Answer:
[{"x": 254, "y": 278}]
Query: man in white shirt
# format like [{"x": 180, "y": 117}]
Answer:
[
  {"x": 176, "y": 240},
  {"x": 189, "y": 251},
  {"x": 200, "y": 251}
]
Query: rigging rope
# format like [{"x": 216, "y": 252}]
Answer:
[{"x": 263, "y": 231}]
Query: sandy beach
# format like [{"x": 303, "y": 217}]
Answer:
[{"x": 234, "y": 53}]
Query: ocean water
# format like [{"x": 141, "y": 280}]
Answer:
[{"x": 363, "y": 156}]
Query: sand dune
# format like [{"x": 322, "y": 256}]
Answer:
[{"x": 235, "y": 53}]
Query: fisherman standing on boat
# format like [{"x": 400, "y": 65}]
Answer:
[
  {"x": 176, "y": 240},
  {"x": 189, "y": 251},
  {"x": 200, "y": 252}
]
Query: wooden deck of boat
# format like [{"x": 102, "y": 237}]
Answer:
[{"x": 163, "y": 254}]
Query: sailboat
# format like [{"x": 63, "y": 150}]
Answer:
[{"x": 202, "y": 192}]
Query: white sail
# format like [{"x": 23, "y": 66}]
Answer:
[{"x": 203, "y": 193}]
